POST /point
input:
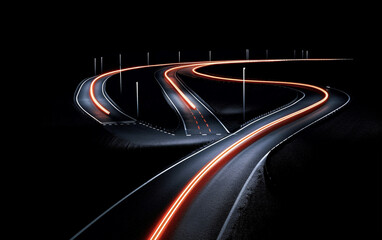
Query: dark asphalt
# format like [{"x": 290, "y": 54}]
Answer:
[
  {"x": 198, "y": 126},
  {"x": 208, "y": 211},
  {"x": 136, "y": 215},
  {"x": 199, "y": 121}
]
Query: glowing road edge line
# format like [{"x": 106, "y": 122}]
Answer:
[
  {"x": 185, "y": 98},
  {"x": 188, "y": 157},
  {"x": 107, "y": 112},
  {"x": 234, "y": 206},
  {"x": 106, "y": 96},
  {"x": 205, "y": 107},
  {"x": 172, "y": 103},
  {"x": 199, "y": 176},
  {"x": 178, "y": 163},
  {"x": 93, "y": 98}
]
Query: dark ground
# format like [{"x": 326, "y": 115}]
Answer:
[
  {"x": 69, "y": 176},
  {"x": 90, "y": 173},
  {"x": 326, "y": 180},
  {"x": 226, "y": 99},
  {"x": 321, "y": 184},
  {"x": 328, "y": 173},
  {"x": 328, "y": 177}
]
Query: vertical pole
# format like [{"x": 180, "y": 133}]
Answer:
[
  {"x": 148, "y": 58},
  {"x": 302, "y": 53},
  {"x": 136, "y": 86},
  {"x": 178, "y": 56},
  {"x": 247, "y": 54},
  {"x": 307, "y": 54},
  {"x": 266, "y": 53},
  {"x": 243, "y": 94},
  {"x": 120, "y": 73},
  {"x": 294, "y": 53},
  {"x": 95, "y": 66},
  {"x": 209, "y": 54},
  {"x": 101, "y": 65}
]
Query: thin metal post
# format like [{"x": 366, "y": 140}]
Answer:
[
  {"x": 302, "y": 53},
  {"x": 307, "y": 54},
  {"x": 210, "y": 55},
  {"x": 243, "y": 94},
  {"x": 120, "y": 73},
  {"x": 247, "y": 54},
  {"x": 148, "y": 58},
  {"x": 294, "y": 53},
  {"x": 266, "y": 53},
  {"x": 178, "y": 56},
  {"x": 101, "y": 65},
  {"x": 136, "y": 86},
  {"x": 95, "y": 66}
]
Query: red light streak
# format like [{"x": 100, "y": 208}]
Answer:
[
  {"x": 239, "y": 145},
  {"x": 185, "y": 98},
  {"x": 107, "y": 112},
  {"x": 234, "y": 148}
]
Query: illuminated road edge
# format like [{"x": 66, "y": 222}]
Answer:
[
  {"x": 197, "y": 65},
  {"x": 229, "y": 152},
  {"x": 107, "y": 112},
  {"x": 238, "y": 146}
]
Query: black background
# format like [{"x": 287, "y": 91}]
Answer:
[{"x": 63, "y": 41}]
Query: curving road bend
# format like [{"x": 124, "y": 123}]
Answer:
[
  {"x": 199, "y": 124},
  {"x": 84, "y": 102},
  {"x": 198, "y": 119},
  {"x": 192, "y": 199}
]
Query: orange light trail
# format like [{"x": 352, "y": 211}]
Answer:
[
  {"x": 107, "y": 112},
  {"x": 239, "y": 145},
  {"x": 185, "y": 98},
  {"x": 234, "y": 148},
  {"x": 200, "y": 64}
]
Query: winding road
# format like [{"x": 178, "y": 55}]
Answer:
[{"x": 193, "y": 198}]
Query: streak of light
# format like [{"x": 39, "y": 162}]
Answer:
[{"x": 239, "y": 145}]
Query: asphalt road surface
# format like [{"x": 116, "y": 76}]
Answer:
[
  {"x": 198, "y": 125},
  {"x": 200, "y": 206}
]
